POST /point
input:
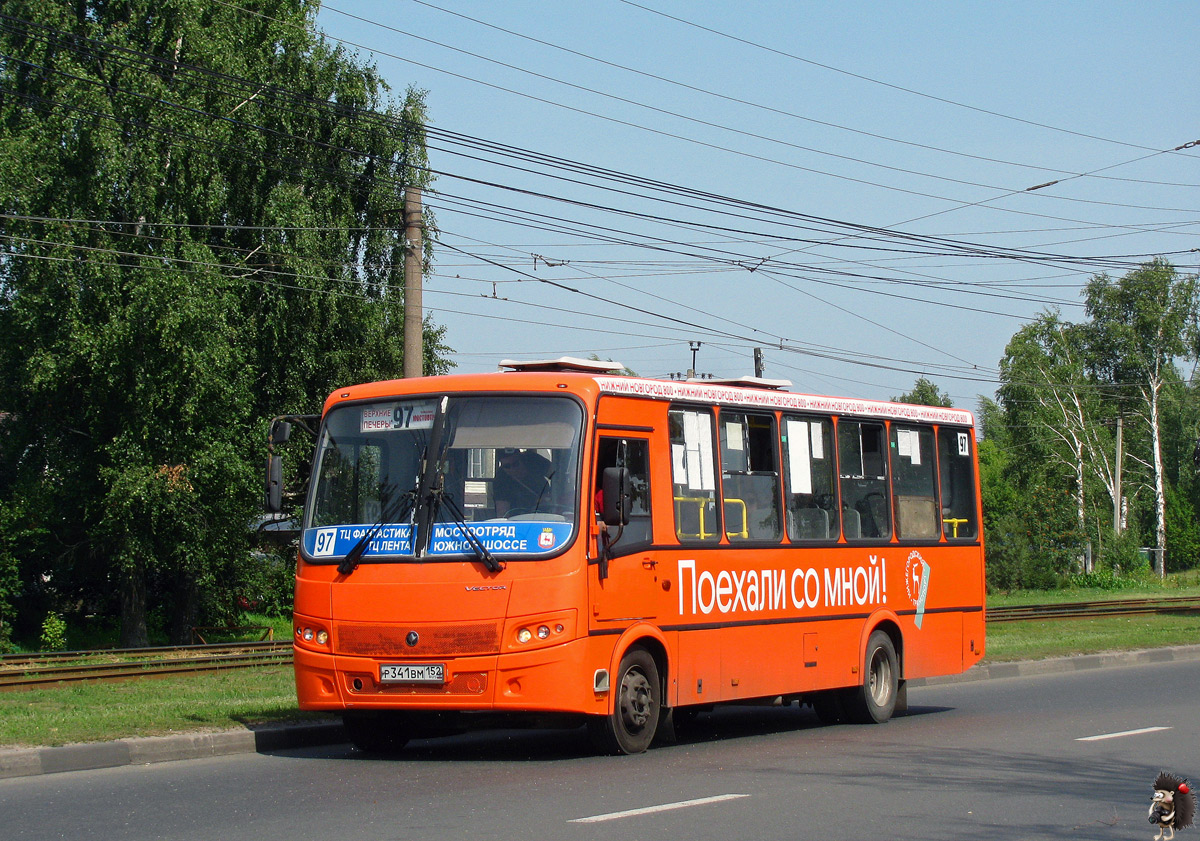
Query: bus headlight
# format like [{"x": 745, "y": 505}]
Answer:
[{"x": 543, "y": 630}]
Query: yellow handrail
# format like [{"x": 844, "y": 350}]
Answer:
[
  {"x": 701, "y": 503},
  {"x": 744, "y": 534},
  {"x": 956, "y": 522}
]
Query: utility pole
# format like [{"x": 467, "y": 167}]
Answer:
[
  {"x": 758, "y": 362},
  {"x": 695, "y": 346},
  {"x": 414, "y": 350},
  {"x": 1117, "y": 482}
]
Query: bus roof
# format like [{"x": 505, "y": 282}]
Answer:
[
  {"x": 746, "y": 393},
  {"x": 767, "y": 398}
]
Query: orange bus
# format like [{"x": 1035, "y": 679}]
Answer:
[{"x": 555, "y": 538}]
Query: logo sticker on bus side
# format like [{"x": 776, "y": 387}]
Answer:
[{"x": 916, "y": 581}]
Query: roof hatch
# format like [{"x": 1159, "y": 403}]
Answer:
[
  {"x": 563, "y": 363},
  {"x": 749, "y": 382}
]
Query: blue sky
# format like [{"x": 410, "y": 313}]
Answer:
[{"x": 878, "y": 156}]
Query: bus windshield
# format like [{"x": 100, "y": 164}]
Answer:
[{"x": 506, "y": 470}]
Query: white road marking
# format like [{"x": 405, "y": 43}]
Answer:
[
  {"x": 666, "y": 807},
  {"x": 1122, "y": 733}
]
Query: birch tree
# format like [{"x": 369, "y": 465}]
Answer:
[
  {"x": 1047, "y": 391},
  {"x": 1143, "y": 325}
]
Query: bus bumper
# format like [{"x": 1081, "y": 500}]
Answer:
[{"x": 552, "y": 679}]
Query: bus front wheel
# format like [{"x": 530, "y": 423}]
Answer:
[
  {"x": 630, "y": 727},
  {"x": 875, "y": 700}
]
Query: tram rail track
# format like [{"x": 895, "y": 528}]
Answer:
[
  {"x": 1093, "y": 609},
  {"x": 32, "y": 670}
]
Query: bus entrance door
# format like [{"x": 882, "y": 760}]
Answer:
[
  {"x": 624, "y": 581},
  {"x": 629, "y": 591}
]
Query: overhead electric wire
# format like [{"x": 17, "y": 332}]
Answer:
[
  {"x": 684, "y": 138},
  {"x": 1006, "y": 192},
  {"x": 889, "y": 232},
  {"x": 662, "y": 220},
  {"x": 749, "y": 103},
  {"x": 882, "y": 83}
]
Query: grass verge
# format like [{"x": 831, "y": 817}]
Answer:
[
  {"x": 1036, "y": 640},
  {"x": 92, "y": 712}
]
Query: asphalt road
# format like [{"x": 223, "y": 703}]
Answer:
[{"x": 980, "y": 760}]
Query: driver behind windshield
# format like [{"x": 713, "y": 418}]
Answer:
[{"x": 521, "y": 482}]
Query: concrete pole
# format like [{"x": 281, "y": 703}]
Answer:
[
  {"x": 414, "y": 351},
  {"x": 1117, "y": 480}
]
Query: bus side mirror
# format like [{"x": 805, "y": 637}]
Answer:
[
  {"x": 615, "y": 482},
  {"x": 274, "y": 484},
  {"x": 281, "y": 431}
]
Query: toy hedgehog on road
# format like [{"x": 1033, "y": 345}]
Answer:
[{"x": 1172, "y": 807}]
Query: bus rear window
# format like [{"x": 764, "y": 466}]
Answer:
[{"x": 957, "y": 479}]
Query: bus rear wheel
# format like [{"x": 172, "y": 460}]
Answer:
[
  {"x": 875, "y": 700},
  {"x": 631, "y": 726}
]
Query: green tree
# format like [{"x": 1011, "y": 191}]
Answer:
[
  {"x": 925, "y": 393},
  {"x": 199, "y": 231},
  {"x": 1057, "y": 409},
  {"x": 1142, "y": 324}
]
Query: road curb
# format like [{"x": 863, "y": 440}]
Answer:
[
  {"x": 1056, "y": 665},
  {"x": 144, "y": 750},
  {"x": 30, "y": 762}
]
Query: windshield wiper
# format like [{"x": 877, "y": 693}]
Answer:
[
  {"x": 426, "y": 508},
  {"x": 440, "y": 498},
  {"x": 393, "y": 510},
  {"x": 432, "y": 496}
]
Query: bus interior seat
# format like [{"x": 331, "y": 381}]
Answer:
[
  {"x": 851, "y": 523},
  {"x": 873, "y": 508},
  {"x": 809, "y": 523}
]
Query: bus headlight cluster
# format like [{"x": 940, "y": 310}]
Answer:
[
  {"x": 313, "y": 635},
  {"x": 542, "y": 632}
]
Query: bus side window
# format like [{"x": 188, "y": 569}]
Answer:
[
  {"x": 862, "y": 465},
  {"x": 634, "y": 454},
  {"x": 914, "y": 483},
  {"x": 749, "y": 476},
  {"x": 957, "y": 473},
  {"x": 693, "y": 475},
  {"x": 809, "y": 468}
]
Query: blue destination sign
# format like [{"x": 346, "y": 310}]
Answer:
[{"x": 527, "y": 537}]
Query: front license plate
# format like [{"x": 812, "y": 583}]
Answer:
[{"x": 412, "y": 673}]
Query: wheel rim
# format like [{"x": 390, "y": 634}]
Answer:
[
  {"x": 637, "y": 701},
  {"x": 880, "y": 677}
]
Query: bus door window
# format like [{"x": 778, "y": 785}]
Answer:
[
  {"x": 957, "y": 472},
  {"x": 693, "y": 475},
  {"x": 749, "y": 476},
  {"x": 809, "y": 468},
  {"x": 914, "y": 483},
  {"x": 862, "y": 465},
  {"x": 633, "y": 454}
]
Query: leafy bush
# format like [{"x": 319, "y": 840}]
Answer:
[
  {"x": 54, "y": 633},
  {"x": 1105, "y": 579}
]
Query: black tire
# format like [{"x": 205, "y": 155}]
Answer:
[
  {"x": 631, "y": 726},
  {"x": 875, "y": 700},
  {"x": 383, "y": 733}
]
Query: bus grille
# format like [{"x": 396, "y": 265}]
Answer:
[{"x": 432, "y": 640}]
